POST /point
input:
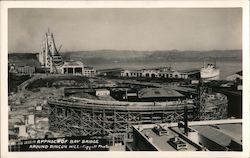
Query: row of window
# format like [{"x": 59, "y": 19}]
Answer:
[
  {"x": 78, "y": 70},
  {"x": 26, "y": 70},
  {"x": 89, "y": 71},
  {"x": 134, "y": 74}
]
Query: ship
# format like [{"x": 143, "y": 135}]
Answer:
[{"x": 210, "y": 72}]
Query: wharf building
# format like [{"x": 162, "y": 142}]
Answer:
[
  {"x": 52, "y": 61},
  {"x": 165, "y": 72}
]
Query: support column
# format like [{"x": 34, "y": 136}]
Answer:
[
  {"x": 113, "y": 140},
  {"x": 73, "y": 70}
]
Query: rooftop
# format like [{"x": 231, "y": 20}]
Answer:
[
  {"x": 123, "y": 89},
  {"x": 158, "y": 92},
  {"x": 221, "y": 132},
  {"x": 88, "y": 67},
  {"x": 92, "y": 103},
  {"x": 237, "y": 73},
  {"x": 102, "y": 89},
  {"x": 73, "y": 63},
  {"x": 162, "y": 142},
  {"x": 110, "y": 70},
  {"x": 190, "y": 71}
]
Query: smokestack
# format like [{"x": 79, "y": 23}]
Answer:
[{"x": 186, "y": 120}]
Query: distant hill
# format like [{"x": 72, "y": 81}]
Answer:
[
  {"x": 107, "y": 54},
  {"x": 23, "y": 59},
  {"x": 15, "y": 56},
  {"x": 130, "y": 55},
  {"x": 198, "y": 55}
]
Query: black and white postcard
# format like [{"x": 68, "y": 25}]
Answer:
[{"x": 87, "y": 78}]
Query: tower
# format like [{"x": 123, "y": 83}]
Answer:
[{"x": 49, "y": 56}]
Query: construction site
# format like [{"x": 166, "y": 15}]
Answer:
[{"x": 70, "y": 99}]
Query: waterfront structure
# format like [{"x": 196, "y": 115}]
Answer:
[
  {"x": 213, "y": 135},
  {"x": 165, "y": 72}
]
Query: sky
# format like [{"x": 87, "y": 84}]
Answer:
[{"x": 126, "y": 29}]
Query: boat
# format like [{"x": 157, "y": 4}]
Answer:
[{"x": 210, "y": 72}]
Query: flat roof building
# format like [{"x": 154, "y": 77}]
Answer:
[
  {"x": 148, "y": 140},
  {"x": 72, "y": 67},
  {"x": 77, "y": 68},
  {"x": 213, "y": 135},
  {"x": 89, "y": 71},
  {"x": 102, "y": 92}
]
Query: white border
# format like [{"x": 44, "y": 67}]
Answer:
[{"x": 123, "y": 4}]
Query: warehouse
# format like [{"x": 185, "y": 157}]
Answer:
[{"x": 167, "y": 73}]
